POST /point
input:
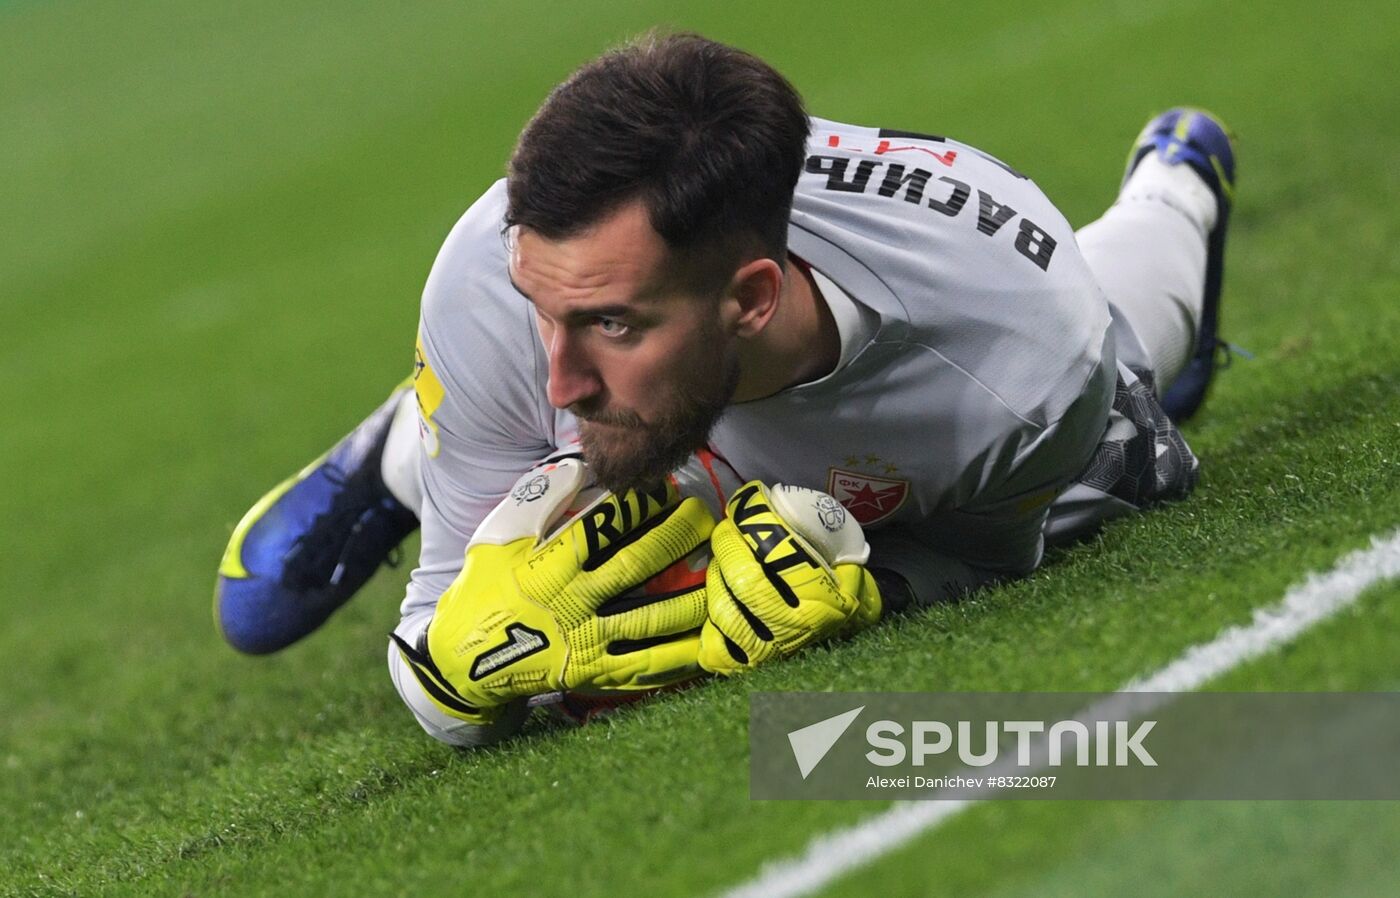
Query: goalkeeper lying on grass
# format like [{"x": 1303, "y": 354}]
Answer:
[{"x": 682, "y": 277}]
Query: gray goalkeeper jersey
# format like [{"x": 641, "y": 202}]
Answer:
[{"x": 975, "y": 380}]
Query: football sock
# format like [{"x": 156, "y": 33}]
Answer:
[
  {"x": 399, "y": 466},
  {"x": 1148, "y": 252}
]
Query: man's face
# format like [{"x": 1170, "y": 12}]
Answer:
[{"x": 645, "y": 365}]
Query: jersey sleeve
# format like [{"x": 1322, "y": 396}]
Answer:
[{"x": 482, "y": 421}]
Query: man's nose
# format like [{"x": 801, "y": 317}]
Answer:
[{"x": 572, "y": 377}]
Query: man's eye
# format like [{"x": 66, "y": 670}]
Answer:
[{"x": 611, "y": 327}]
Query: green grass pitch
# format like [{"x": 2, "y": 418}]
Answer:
[{"x": 216, "y": 221}]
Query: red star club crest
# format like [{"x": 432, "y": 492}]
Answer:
[{"x": 868, "y": 499}]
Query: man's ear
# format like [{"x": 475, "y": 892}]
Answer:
[{"x": 752, "y": 296}]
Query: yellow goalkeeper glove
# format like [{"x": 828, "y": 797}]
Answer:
[
  {"x": 788, "y": 569},
  {"x": 534, "y": 611}
]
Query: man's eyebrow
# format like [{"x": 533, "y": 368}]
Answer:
[
  {"x": 612, "y": 310},
  {"x": 609, "y": 311}
]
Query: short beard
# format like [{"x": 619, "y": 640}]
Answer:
[{"x": 624, "y": 452}]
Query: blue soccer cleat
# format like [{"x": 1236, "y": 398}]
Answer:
[
  {"x": 1200, "y": 140},
  {"x": 307, "y": 546}
]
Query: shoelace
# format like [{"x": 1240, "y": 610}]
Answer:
[
  {"x": 1226, "y": 353},
  {"x": 317, "y": 558}
]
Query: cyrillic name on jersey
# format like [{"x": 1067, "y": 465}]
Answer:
[{"x": 1032, "y": 241}]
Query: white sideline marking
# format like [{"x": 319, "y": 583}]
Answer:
[{"x": 1317, "y": 598}]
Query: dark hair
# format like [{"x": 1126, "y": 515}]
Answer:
[{"x": 710, "y": 138}]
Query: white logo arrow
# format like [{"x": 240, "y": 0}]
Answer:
[{"x": 811, "y": 743}]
